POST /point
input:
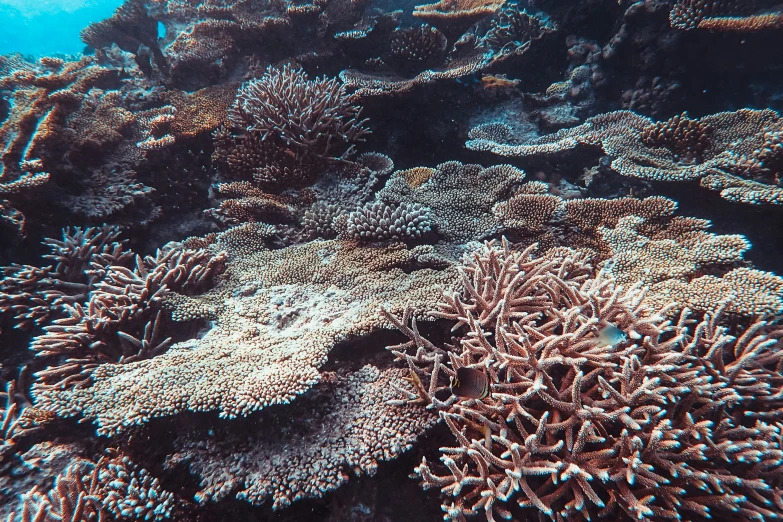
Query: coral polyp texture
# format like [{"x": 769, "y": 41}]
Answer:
[
  {"x": 562, "y": 218},
  {"x": 575, "y": 428}
]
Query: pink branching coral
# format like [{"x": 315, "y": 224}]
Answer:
[
  {"x": 18, "y": 418},
  {"x": 36, "y": 295},
  {"x": 122, "y": 321},
  {"x": 113, "y": 488},
  {"x": 679, "y": 419}
]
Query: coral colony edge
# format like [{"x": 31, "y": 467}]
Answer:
[{"x": 373, "y": 261}]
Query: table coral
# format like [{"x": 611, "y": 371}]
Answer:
[
  {"x": 718, "y": 147},
  {"x": 721, "y": 15},
  {"x": 453, "y": 17},
  {"x": 277, "y": 315},
  {"x": 460, "y": 196},
  {"x": 343, "y": 427}
]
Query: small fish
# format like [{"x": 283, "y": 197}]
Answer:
[
  {"x": 610, "y": 335},
  {"x": 470, "y": 384}
]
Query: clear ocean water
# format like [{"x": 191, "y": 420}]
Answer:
[{"x": 48, "y": 27}]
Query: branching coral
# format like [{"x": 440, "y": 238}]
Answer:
[
  {"x": 677, "y": 419},
  {"x": 95, "y": 306},
  {"x": 312, "y": 118},
  {"x": 113, "y": 487},
  {"x": 18, "y": 418},
  {"x": 379, "y": 221},
  {"x": 718, "y": 147},
  {"x": 36, "y": 295}
]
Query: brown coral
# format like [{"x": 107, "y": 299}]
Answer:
[{"x": 453, "y": 17}]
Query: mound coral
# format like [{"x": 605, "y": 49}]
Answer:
[{"x": 677, "y": 419}]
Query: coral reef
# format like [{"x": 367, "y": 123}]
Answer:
[
  {"x": 653, "y": 426},
  {"x": 290, "y": 307},
  {"x": 722, "y": 149},
  {"x": 201, "y": 263}
]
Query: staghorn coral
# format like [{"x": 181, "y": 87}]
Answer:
[
  {"x": 37, "y": 466},
  {"x": 121, "y": 322},
  {"x": 35, "y": 296},
  {"x": 86, "y": 491},
  {"x": 276, "y": 316},
  {"x": 71, "y": 499},
  {"x": 97, "y": 304},
  {"x": 680, "y": 149},
  {"x": 18, "y": 419},
  {"x": 379, "y": 221},
  {"x": 342, "y": 427},
  {"x": 576, "y": 430}
]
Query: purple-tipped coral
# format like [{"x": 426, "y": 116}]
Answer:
[{"x": 379, "y": 221}]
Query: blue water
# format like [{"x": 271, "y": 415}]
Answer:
[{"x": 47, "y": 27}]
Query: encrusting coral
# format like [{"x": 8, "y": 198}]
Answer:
[{"x": 679, "y": 418}]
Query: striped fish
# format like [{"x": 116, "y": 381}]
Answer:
[{"x": 470, "y": 384}]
